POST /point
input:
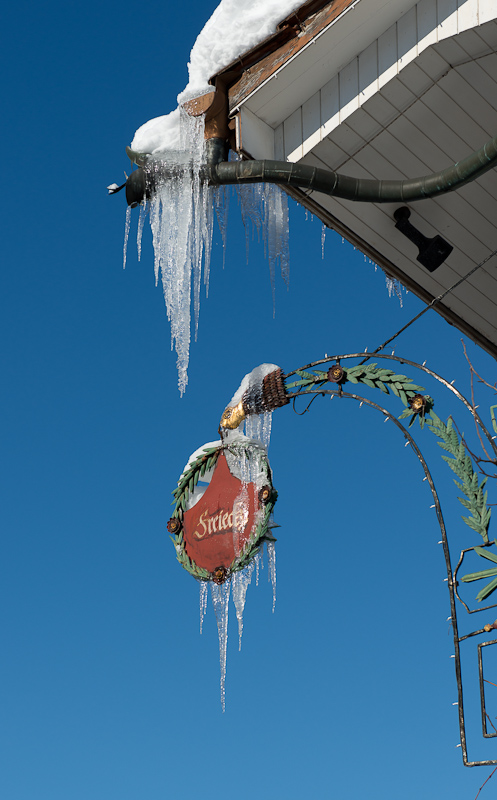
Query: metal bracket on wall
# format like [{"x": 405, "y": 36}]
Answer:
[{"x": 432, "y": 252}]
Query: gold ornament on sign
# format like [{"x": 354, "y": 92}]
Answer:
[{"x": 232, "y": 417}]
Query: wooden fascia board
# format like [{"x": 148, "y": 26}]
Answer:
[{"x": 293, "y": 33}]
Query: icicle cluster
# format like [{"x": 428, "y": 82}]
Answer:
[
  {"x": 394, "y": 287},
  {"x": 181, "y": 215},
  {"x": 220, "y": 598},
  {"x": 220, "y": 594},
  {"x": 264, "y": 209}
]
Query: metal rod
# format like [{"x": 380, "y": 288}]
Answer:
[{"x": 441, "y": 523}]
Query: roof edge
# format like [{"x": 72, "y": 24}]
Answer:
[{"x": 287, "y": 29}]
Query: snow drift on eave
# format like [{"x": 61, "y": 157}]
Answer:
[{"x": 235, "y": 27}]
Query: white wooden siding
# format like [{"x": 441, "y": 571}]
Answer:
[{"x": 251, "y": 129}]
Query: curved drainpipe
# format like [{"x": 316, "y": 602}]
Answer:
[
  {"x": 358, "y": 189},
  {"x": 219, "y": 171}
]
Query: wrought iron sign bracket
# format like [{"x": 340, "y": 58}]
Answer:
[{"x": 314, "y": 382}]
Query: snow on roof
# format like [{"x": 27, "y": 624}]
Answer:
[{"x": 235, "y": 27}]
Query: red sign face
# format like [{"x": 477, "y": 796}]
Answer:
[{"x": 217, "y": 527}]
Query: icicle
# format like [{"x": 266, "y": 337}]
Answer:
[
  {"x": 267, "y": 419},
  {"x": 240, "y": 517},
  {"x": 258, "y": 427},
  {"x": 241, "y": 581},
  {"x": 259, "y": 564},
  {"x": 203, "y": 603},
  {"x": 181, "y": 222},
  {"x": 271, "y": 560},
  {"x": 394, "y": 287},
  {"x": 221, "y": 204},
  {"x": 220, "y": 597},
  {"x": 282, "y": 235},
  {"x": 141, "y": 222},
  {"x": 270, "y": 237},
  {"x": 323, "y": 237},
  {"x": 275, "y": 232},
  {"x": 264, "y": 208},
  {"x": 181, "y": 214},
  {"x": 126, "y": 235},
  {"x": 250, "y": 201}
]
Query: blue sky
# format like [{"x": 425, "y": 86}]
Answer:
[{"x": 107, "y": 688}]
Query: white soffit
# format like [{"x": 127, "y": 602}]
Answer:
[{"x": 420, "y": 123}]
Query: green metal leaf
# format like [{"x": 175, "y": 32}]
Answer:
[
  {"x": 475, "y": 525},
  {"x": 476, "y": 576},
  {"x": 489, "y": 588},
  {"x": 455, "y": 467},
  {"x": 492, "y": 416},
  {"x": 403, "y": 396},
  {"x": 416, "y": 389},
  {"x": 307, "y": 375},
  {"x": 443, "y": 445},
  {"x": 482, "y": 551},
  {"x": 466, "y": 503}
]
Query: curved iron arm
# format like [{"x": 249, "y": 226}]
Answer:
[
  {"x": 443, "y": 531},
  {"x": 217, "y": 171},
  {"x": 450, "y": 576}
]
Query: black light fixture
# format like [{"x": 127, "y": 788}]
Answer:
[{"x": 432, "y": 252}]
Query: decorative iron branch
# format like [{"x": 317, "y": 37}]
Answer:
[
  {"x": 314, "y": 382},
  {"x": 420, "y": 407}
]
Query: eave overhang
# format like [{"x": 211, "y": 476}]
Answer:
[{"x": 405, "y": 95}]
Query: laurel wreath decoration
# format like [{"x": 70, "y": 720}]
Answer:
[
  {"x": 486, "y": 573},
  {"x": 186, "y": 485},
  {"x": 460, "y": 463},
  {"x": 420, "y": 407},
  {"x": 370, "y": 375}
]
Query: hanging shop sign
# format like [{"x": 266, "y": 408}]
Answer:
[{"x": 223, "y": 505}]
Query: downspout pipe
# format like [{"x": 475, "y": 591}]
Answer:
[
  {"x": 356, "y": 189},
  {"x": 217, "y": 171}
]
